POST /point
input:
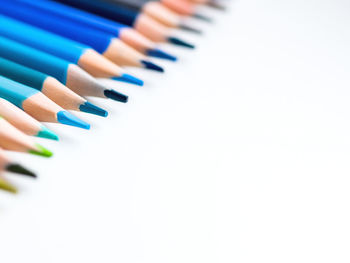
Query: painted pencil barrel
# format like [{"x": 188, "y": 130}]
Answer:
[
  {"x": 34, "y": 59},
  {"x": 117, "y": 13},
  {"x": 38, "y": 18},
  {"x": 43, "y": 40}
]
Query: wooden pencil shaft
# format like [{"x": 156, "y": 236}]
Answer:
[
  {"x": 19, "y": 118},
  {"x": 14, "y": 140}
]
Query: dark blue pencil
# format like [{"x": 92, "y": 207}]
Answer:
[
  {"x": 126, "y": 34},
  {"x": 142, "y": 23}
]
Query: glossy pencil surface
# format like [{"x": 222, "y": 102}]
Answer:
[{"x": 117, "y": 12}]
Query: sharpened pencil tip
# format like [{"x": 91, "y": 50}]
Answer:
[
  {"x": 115, "y": 95},
  {"x": 129, "y": 79},
  {"x": 151, "y": 66},
  {"x": 41, "y": 151},
  {"x": 47, "y": 134},
  {"x": 67, "y": 118},
  {"x": 219, "y": 6},
  {"x": 202, "y": 17},
  {"x": 4, "y": 185},
  {"x": 179, "y": 42},
  {"x": 157, "y": 53},
  {"x": 191, "y": 29},
  {"x": 93, "y": 109},
  {"x": 19, "y": 169}
]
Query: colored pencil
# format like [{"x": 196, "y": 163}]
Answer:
[
  {"x": 77, "y": 54},
  {"x": 6, "y": 186},
  {"x": 142, "y": 23},
  {"x": 67, "y": 73},
  {"x": 7, "y": 165},
  {"x": 117, "y": 30},
  {"x": 13, "y": 139},
  {"x": 24, "y": 122},
  {"x": 158, "y": 12},
  {"x": 36, "y": 104},
  {"x": 49, "y": 86},
  {"x": 69, "y": 49}
]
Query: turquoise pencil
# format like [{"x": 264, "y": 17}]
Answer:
[
  {"x": 67, "y": 73},
  {"x": 37, "y": 104},
  {"x": 49, "y": 86}
]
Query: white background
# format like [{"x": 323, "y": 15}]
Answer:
[{"x": 239, "y": 153}]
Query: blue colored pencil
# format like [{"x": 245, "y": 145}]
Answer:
[
  {"x": 98, "y": 66},
  {"x": 73, "y": 51},
  {"x": 49, "y": 86},
  {"x": 36, "y": 104},
  {"x": 143, "y": 24},
  {"x": 123, "y": 32},
  {"x": 67, "y": 73},
  {"x": 158, "y": 12}
]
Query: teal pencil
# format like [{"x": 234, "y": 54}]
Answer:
[
  {"x": 67, "y": 73},
  {"x": 49, "y": 86},
  {"x": 37, "y": 104}
]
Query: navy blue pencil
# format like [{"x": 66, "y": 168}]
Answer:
[
  {"x": 142, "y": 23},
  {"x": 158, "y": 12}
]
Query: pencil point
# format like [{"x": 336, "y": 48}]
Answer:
[
  {"x": 93, "y": 109},
  {"x": 203, "y": 18},
  {"x": 67, "y": 118},
  {"x": 129, "y": 79},
  {"x": 219, "y": 6},
  {"x": 4, "y": 185},
  {"x": 47, "y": 134},
  {"x": 190, "y": 29},
  {"x": 115, "y": 95},
  {"x": 19, "y": 169},
  {"x": 152, "y": 66},
  {"x": 179, "y": 42},
  {"x": 157, "y": 53},
  {"x": 41, "y": 151}
]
